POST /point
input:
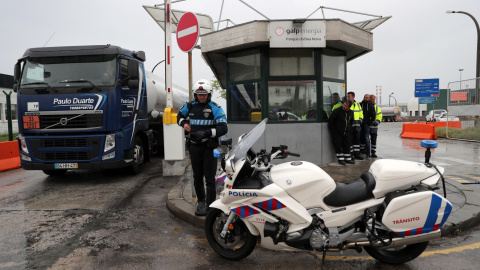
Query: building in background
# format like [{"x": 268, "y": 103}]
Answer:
[{"x": 6, "y": 84}]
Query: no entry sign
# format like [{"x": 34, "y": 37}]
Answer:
[{"x": 187, "y": 32}]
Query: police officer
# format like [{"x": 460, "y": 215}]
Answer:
[
  {"x": 374, "y": 126},
  {"x": 206, "y": 123},
  {"x": 357, "y": 121}
]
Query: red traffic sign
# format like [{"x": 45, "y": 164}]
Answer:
[{"x": 187, "y": 32}]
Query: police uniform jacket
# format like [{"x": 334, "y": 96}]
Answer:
[{"x": 208, "y": 117}]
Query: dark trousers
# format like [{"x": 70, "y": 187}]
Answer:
[
  {"x": 365, "y": 140},
  {"x": 203, "y": 165},
  {"x": 355, "y": 142},
  {"x": 342, "y": 146},
  {"x": 373, "y": 136}
]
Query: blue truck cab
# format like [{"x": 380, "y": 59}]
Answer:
[{"x": 83, "y": 107}]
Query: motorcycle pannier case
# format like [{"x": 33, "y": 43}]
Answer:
[{"x": 416, "y": 213}]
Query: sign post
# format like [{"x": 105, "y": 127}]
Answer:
[{"x": 426, "y": 88}]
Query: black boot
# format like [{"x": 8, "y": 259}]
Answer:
[
  {"x": 201, "y": 209},
  {"x": 373, "y": 155},
  {"x": 201, "y": 206}
]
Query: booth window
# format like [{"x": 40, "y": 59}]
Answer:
[
  {"x": 291, "y": 62},
  {"x": 333, "y": 92},
  {"x": 296, "y": 105},
  {"x": 244, "y": 65},
  {"x": 245, "y": 102},
  {"x": 333, "y": 64}
]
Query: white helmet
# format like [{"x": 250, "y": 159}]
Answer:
[{"x": 202, "y": 87}]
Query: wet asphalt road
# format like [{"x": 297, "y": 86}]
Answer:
[{"x": 112, "y": 220}]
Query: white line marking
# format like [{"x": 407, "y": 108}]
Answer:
[{"x": 187, "y": 31}]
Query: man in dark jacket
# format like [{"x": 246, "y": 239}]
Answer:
[
  {"x": 206, "y": 123},
  {"x": 340, "y": 124},
  {"x": 368, "y": 119}
]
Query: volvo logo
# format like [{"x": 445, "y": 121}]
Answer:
[{"x": 63, "y": 121}]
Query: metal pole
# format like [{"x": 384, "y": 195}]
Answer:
[
  {"x": 190, "y": 98},
  {"x": 9, "y": 115},
  {"x": 460, "y": 78},
  {"x": 168, "y": 54}
]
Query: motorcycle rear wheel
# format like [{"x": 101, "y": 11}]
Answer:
[
  {"x": 397, "y": 255},
  {"x": 237, "y": 244}
]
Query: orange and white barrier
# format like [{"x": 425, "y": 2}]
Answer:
[
  {"x": 9, "y": 156},
  {"x": 419, "y": 131}
]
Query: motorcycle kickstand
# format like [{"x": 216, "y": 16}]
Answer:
[
  {"x": 323, "y": 258},
  {"x": 225, "y": 226}
]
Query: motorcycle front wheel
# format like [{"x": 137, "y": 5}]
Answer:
[
  {"x": 397, "y": 255},
  {"x": 238, "y": 242}
]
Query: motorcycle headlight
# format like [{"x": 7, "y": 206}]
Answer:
[
  {"x": 109, "y": 142},
  {"x": 23, "y": 144}
]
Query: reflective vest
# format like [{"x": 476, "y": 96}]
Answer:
[
  {"x": 339, "y": 104},
  {"x": 357, "y": 115},
  {"x": 378, "y": 118}
]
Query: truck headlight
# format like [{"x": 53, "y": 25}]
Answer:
[
  {"x": 23, "y": 144},
  {"x": 108, "y": 156},
  {"x": 109, "y": 142}
]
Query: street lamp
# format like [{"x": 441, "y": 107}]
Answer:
[
  {"x": 477, "y": 73},
  {"x": 460, "y": 78},
  {"x": 391, "y": 95}
]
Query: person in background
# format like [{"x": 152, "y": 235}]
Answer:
[
  {"x": 336, "y": 101},
  {"x": 368, "y": 119},
  {"x": 374, "y": 126},
  {"x": 339, "y": 124},
  {"x": 207, "y": 123},
  {"x": 357, "y": 121}
]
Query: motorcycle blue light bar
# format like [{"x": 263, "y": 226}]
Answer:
[{"x": 429, "y": 143}]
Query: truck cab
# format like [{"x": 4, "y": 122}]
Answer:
[{"x": 82, "y": 107}]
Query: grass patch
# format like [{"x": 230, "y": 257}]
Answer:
[
  {"x": 470, "y": 133},
  {"x": 4, "y": 137}
]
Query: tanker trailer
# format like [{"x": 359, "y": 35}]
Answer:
[
  {"x": 390, "y": 113},
  {"x": 88, "y": 107}
]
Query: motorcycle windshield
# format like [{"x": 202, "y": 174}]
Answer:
[{"x": 239, "y": 151}]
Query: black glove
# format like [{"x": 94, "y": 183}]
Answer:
[{"x": 199, "y": 135}]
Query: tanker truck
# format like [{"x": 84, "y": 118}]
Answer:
[
  {"x": 88, "y": 107},
  {"x": 390, "y": 114}
]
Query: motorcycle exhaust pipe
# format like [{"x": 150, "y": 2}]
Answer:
[{"x": 398, "y": 242}]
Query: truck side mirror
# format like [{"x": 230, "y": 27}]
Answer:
[
  {"x": 132, "y": 69},
  {"x": 16, "y": 72},
  {"x": 132, "y": 84}
]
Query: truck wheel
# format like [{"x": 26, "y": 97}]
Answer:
[
  {"x": 138, "y": 156},
  {"x": 55, "y": 172}
]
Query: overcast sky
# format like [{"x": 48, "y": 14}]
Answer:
[{"x": 420, "y": 41}]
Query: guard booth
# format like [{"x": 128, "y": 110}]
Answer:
[{"x": 289, "y": 71}]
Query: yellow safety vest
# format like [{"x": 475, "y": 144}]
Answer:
[
  {"x": 357, "y": 114},
  {"x": 378, "y": 117}
]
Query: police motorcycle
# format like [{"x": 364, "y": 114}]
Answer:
[{"x": 391, "y": 211}]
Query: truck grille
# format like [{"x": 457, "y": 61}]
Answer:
[
  {"x": 68, "y": 148},
  {"x": 71, "y": 121}
]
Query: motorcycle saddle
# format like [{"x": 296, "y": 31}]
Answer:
[{"x": 352, "y": 192}]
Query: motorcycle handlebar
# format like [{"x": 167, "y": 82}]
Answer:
[{"x": 293, "y": 154}]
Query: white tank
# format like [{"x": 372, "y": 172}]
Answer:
[
  {"x": 391, "y": 111},
  {"x": 156, "y": 93}
]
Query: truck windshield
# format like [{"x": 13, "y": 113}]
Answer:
[{"x": 67, "y": 73}]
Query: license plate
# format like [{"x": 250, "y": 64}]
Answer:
[{"x": 66, "y": 165}]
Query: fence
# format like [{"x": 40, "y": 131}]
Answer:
[{"x": 463, "y": 106}]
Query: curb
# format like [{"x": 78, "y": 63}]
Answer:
[{"x": 180, "y": 207}]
